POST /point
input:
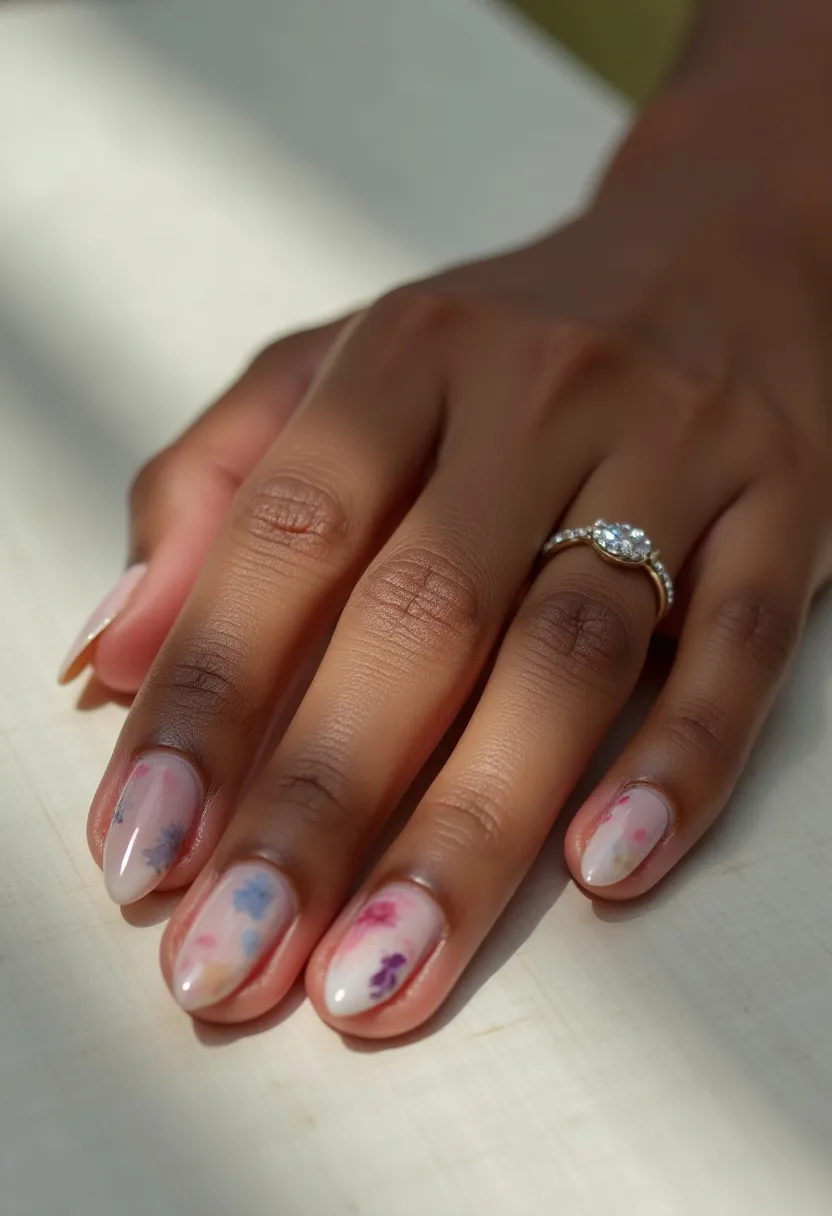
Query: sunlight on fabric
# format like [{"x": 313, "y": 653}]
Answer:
[{"x": 184, "y": 238}]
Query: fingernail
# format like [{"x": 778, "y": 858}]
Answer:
[
  {"x": 388, "y": 939},
  {"x": 159, "y": 802},
  {"x": 626, "y": 834},
  {"x": 243, "y": 918},
  {"x": 110, "y": 607}
]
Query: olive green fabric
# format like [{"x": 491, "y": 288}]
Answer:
[{"x": 629, "y": 42}]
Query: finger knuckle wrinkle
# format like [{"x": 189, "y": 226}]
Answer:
[
  {"x": 698, "y": 730},
  {"x": 758, "y": 626},
  {"x": 582, "y": 632},
  {"x": 202, "y": 684},
  {"x": 469, "y": 821},
  {"x": 424, "y": 597},
  {"x": 314, "y": 791},
  {"x": 285, "y": 511}
]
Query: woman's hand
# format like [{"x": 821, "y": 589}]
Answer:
[{"x": 663, "y": 361}]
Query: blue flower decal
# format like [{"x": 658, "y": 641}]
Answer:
[
  {"x": 250, "y": 942},
  {"x": 122, "y": 807},
  {"x": 254, "y": 896},
  {"x": 161, "y": 856},
  {"x": 386, "y": 979}
]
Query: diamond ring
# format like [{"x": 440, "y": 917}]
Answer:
[{"x": 625, "y": 546}]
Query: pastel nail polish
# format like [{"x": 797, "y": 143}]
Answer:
[
  {"x": 159, "y": 802},
  {"x": 111, "y": 606},
  {"x": 385, "y": 943},
  {"x": 242, "y": 919},
  {"x": 626, "y": 834}
]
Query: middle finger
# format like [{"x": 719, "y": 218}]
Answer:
[{"x": 301, "y": 528}]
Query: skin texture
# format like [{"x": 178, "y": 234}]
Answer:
[{"x": 376, "y": 492}]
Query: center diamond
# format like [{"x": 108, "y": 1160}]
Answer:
[{"x": 622, "y": 541}]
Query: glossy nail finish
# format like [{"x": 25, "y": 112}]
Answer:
[
  {"x": 242, "y": 920},
  {"x": 626, "y": 834},
  {"x": 160, "y": 800},
  {"x": 110, "y": 607},
  {"x": 388, "y": 939}
]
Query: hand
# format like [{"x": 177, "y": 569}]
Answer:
[{"x": 661, "y": 361}]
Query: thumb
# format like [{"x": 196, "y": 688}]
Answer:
[{"x": 178, "y": 503}]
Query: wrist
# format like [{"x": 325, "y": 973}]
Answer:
[
  {"x": 750, "y": 100},
  {"x": 745, "y": 41},
  {"x": 749, "y": 135}
]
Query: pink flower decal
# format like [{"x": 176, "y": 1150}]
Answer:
[
  {"x": 379, "y": 912},
  {"x": 141, "y": 770},
  {"x": 640, "y": 835},
  {"x": 206, "y": 941}
]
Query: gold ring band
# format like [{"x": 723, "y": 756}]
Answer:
[{"x": 621, "y": 545}]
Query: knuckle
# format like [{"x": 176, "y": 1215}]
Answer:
[
  {"x": 312, "y": 789},
  {"x": 469, "y": 820},
  {"x": 422, "y": 600},
  {"x": 202, "y": 685},
  {"x": 698, "y": 730},
  {"x": 792, "y": 457},
  {"x": 759, "y": 626},
  {"x": 268, "y": 358},
  {"x": 410, "y": 314},
  {"x": 557, "y": 358},
  {"x": 285, "y": 513},
  {"x": 146, "y": 482},
  {"x": 692, "y": 402},
  {"x": 583, "y": 636}
]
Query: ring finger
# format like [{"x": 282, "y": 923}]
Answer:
[{"x": 567, "y": 666}]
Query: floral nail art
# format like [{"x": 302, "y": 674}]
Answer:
[
  {"x": 251, "y": 942},
  {"x": 390, "y": 936},
  {"x": 151, "y": 821},
  {"x": 255, "y": 896},
  {"x": 625, "y": 836},
  {"x": 386, "y": 979},
  {"x": 126, "y": 803},
  {"x": 222, "y": 946},
  {"x": 161, "y": 855}
]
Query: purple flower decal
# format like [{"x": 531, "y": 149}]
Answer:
[
  {"x": 161, "y": 856},
  {"x": 386, "y": 979},
  {"x": 254, "y": 896},
  {"x": 250, "y": 942}
]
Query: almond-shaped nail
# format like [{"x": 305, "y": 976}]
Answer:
[
  {"x": 387, "y": 940},
  {"x": 243, "y": 918},
  {"x": 110, "y": 607},
  {"x": 158, "y": 805},
  {"x": 625, "y": 836}
]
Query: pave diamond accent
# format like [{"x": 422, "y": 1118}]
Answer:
[{"x": 622, "y": 541}]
